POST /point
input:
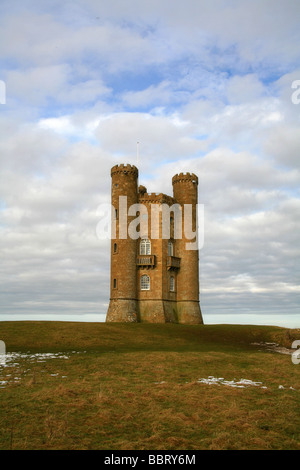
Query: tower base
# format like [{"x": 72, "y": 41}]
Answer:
[
  {"x": 189, "y": 312},
  {"x": 157, "y": 311},
  {"x": 122, "y": 310},
  {"x": 168, "y": 311},
  {"x": 154, "y": 311}
]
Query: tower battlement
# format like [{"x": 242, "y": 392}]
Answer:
[
  {"x": 156, "y": 198},
  {"x": 124, "y": 169},
  {"x": 185, "y": 177}
]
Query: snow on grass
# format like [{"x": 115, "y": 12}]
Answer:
[
  {"x": 242, "y": 383},
  {"x": 17, "y": 360},
  {"x": 13, "y": 359}
]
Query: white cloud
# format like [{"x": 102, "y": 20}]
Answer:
[
  {"x": 203, "y": 87},
  {"x": 152, "y": 96},
  {"x": 244, "y": 89},
  {"x": 283, "y": 144},
  {"x": 160, "y": 137}
]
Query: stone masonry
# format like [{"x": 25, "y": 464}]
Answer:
[{"x": 154, "y": 279}]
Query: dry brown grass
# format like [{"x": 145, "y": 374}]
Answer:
[{"x": 146, "y": 394}]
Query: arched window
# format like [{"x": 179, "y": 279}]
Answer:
[
  {"x": 145, "y": 282},
  {"x": 172, "y": 284},
  {"x": 170, "y": 248},
  {"x": 145, "y": 247}
]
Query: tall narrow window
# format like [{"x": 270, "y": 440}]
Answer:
[
  {"x": 145, "y": 247},
  {"x": 145, "y": 282},
  {"x": 170, "y": 248},
  {"x": 115, "y": 248},
  {"x": 115, "y": 283},
  {"x": 172, "y": 284}
]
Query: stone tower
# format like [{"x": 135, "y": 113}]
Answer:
[
  {"x": 154, "y": 277},
  {"x": 123, "y": 280},
  {"x": 185, "y": 190}
]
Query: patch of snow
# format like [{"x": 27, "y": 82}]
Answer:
[
  {"x": 242, "y": 383},
  {"x": 17, "y": 360}
]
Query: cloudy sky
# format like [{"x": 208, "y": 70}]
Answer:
[{"x": 204, "y": 86}]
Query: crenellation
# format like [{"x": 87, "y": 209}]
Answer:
[
  {"x": 124, "y": 169},
  {"x": 154, "y": 198},
  {"x": 185, "y": 177}
]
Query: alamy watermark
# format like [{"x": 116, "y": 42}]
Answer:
[
  {"x": 2, "y": 92},
  {"x": 2, "y": 352},
  {"x": 296, "y": 95},
  {"x": 183, "y": 222},
  {"x": 296, "y": 354}
]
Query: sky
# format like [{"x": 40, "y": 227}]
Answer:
[{"x": 208, "y": 87}]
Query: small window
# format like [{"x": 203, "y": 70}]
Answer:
[
  {"x": 145, "y": 282},
  {"x": 170, "y": 248},
  {"x": 172, "y": 284},
  {"x": 115, "y": 283},
  {"x": 116, "y": 213},
  {"x": 145, "y": 247},
  {"x": 115, "y": 248}
]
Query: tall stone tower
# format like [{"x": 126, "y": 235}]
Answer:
[
  {"x": 123, "y": 280},
  {"x": 185, "y": 190},
  {"x": 154, "y": 276}
]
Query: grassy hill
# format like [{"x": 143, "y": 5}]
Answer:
[{"x": 147, "y": 386}]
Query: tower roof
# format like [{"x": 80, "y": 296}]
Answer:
[
  {"x": 185, "y": 177},
  {"x": 126, "y": 169}
]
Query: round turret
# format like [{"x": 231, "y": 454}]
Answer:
[
  {"x": 185, "y": 188},
  {"x": 185, "y": 191},
  {"x": 124, "y": 193}
]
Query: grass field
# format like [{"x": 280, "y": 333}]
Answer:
[{"x": 145, "y": 386}]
